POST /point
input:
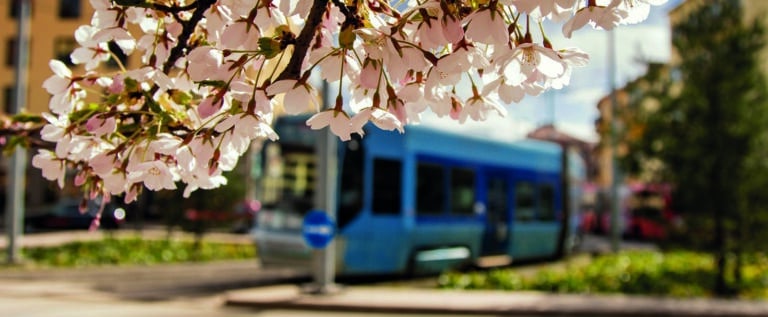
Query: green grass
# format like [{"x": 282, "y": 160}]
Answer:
[
  {"x": 677, "y": 274},
  {"x": 133, "y": 251}
]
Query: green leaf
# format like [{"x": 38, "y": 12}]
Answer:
[
  {"x": 13, "y": 142},
  {"x": 28, "y": 118},
  {"x": 269, "y": 47},
  {"x": 131, "y": 84},
  {"x": 347, "y": 37},
  {"x": 213, "y": 83},
  {"x": 180, "y": 97}
]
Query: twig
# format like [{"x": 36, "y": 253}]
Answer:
[{"x": 301, "y": 46}]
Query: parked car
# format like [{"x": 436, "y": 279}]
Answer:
[
  {"x": 241, "y": 219},
  {"x": 66, "y": 215}
]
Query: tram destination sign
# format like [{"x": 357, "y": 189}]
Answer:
[{"x": 318, "y": 229}]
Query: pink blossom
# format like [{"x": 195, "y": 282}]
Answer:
[
  {"x": 155, "y": 175},
  {"x": 380, "y": 118},
  {"x": 92, "y": 52},
  {"x": 370, "y": 74},
  {"x": 298, "y": 96},
  {"x": 51, "y": 166},
  {"x": 453, "y": 32},
  {"x": 599, "y": 17},
  {"x": 487, "y": 26},
  {"x": 209, "y": 106},
  {"x": 338, "y": 121},
  {"x": 100, "y": 126}
]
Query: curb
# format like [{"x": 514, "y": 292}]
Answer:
[{"x": 395, "y": 300}]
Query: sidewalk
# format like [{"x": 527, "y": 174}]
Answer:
[
  {"x": 245, "y": 284},
  {"x": 422, "y": 301}
]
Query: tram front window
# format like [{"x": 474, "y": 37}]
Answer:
[
  {"x": 289, "y": 177},
  {"x": 288, "y": 184}
]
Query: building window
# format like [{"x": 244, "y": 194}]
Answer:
[
  {"x": 62, "y": 49},
  {"x": 387, "y": 186},
  {"x": 69, "y": 9},
  {"x": 13, "y": 10},
  {"x": 116, "y": 52},
  {"x": 10, "y": 52},
  {"x": 9, "y": 98}
]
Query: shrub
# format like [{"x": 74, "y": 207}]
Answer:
[
  {"x": 126, "y": 251},
  {"x": 678, "y": 274}
]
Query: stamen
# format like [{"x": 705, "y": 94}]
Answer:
[
  {"x": 529, "y": 56},
  {"x": 154, "y": 171}
]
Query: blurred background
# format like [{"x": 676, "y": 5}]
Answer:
[{"x": 668, "y": 128}]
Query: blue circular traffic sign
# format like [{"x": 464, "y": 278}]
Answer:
[{"x": 318, "y": 229}]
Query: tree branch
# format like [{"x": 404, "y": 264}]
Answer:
[
  {"x": 188, "y": 28},
  {"x": 300, "y": 48}
]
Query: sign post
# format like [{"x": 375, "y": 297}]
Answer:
[
  {"x": 318, "y": 229},
  {"x": 317, "y": 223}
]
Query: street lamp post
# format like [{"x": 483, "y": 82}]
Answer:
[
  {"x": 14, "y": 207},
  {"x": 615, "y": 201}
]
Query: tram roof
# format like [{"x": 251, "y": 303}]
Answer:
[{"x": 423, "y": 140}]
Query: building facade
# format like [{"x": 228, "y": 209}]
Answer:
[{"x": 52, "y": 25}]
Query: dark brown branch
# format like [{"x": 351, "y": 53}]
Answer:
[
  {"x": 300, "y": 48},
  {"x": 31, "y": 136},
  {"x": 188, "y": 28},
  {"x": 343, "y": 8}
]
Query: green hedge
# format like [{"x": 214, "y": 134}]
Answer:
[
  {"x": 127, "y": 251},
  {"x": 679, "y": 274}
]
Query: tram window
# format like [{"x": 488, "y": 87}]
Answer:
[
  {"x": 497, "y": 197},
  {"x": 386, "y": 186},
  {"x": 430, "y": 189},
  {"x": 462, "y": 191},
  {"x": 547, "y": 203},
  {"x": 351, "y": 187},
  {"x": 525, "y": 201}
]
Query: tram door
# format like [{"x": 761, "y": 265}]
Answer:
[{"x": 496, "y": 236}]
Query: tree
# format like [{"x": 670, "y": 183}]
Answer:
[
  {"x": 710, "y": 136},
  {"x": 215, "y": 73}
]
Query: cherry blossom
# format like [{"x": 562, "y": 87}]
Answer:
[
  {"x": 214, "y": 74},
  {"x": 487, "y": 26},
  {"x": 52, "y": 167},
  {"x": 380, "y": 118},
  {"x": 154, "y": 174},
  {"x": 600, "y": 17},
  {"x": 298, "y": 96},
  {"x": 64, "y": 89},
  {"x": 338, "y": 121}
]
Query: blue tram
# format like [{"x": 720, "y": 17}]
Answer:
[{"x": 422, "y": 201}]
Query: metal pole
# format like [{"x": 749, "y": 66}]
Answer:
[
  {"x": 324, "y": 259},
  {"x": 14, "y": 208},
  {"x": 615, "y": 201}
]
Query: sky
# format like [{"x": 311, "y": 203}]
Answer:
[{"x": 574, "y": 108}]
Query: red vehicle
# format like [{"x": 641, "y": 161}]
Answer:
[
  {"x": 645, "y": 208},
  {"x": 648, "y": 211}
]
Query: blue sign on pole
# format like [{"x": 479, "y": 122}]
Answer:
[{"x": 318, "y": 229}]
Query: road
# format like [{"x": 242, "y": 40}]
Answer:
[
  {"x": 72, "y": 299},
  {"x": 171, "y": 290}
]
